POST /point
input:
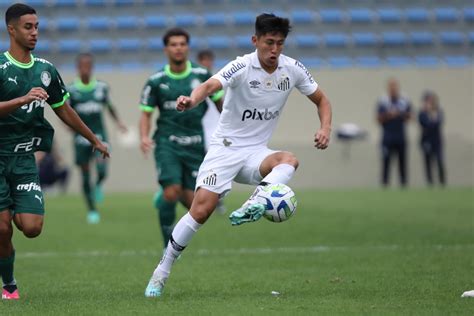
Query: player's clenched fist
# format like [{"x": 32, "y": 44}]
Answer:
[
  {"x": 183, "y": 103},
  {"x": 321, "y": 138},
  {"x": 36, "y": 93}
]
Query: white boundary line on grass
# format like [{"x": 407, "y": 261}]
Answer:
[{"x": 239, "y": 251}]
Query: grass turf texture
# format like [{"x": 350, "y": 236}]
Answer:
[{"x": 360, "y": 252}]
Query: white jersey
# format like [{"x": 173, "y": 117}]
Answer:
[{"x": 255, "y": 99}]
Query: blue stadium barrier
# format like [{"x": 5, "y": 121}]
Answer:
[
  {"x": 398, "y": 61},
  {"x": 427, "y": 61},
  {"x": 65, "y": 3},
  {"x": 307, "y": 40},
  {"x": 340, "y": 61},
  {"x": 155, "y": 44},
  {"x": 197, "y": 42},
  {"x": 43, "y": 46},
  {"x": 69, "y": 45},
  {"x": 244, "y": 41},
  {"x": 417, "y": 15},
  {"x": 312, "y": 62},
  {"x": 331, "y": 16},
  {"x": 389, "y": 15},
  {"x": 129, "y": 44},
  {"x": 215, "y": 19},
  {"x": 421, "y": 38},
  {"x": 446, "y": 15},
  {"x": 364, "y": 39},
  {"x": 100, "y": 45},
  {"x": 44, "y": 25},
  {"x": 368, "y": 61},
  {"x": 98, "y": 23},
  {"x": 186, "y": 20},
  {"x": 302, "y": 17},
  {"x": 361, "y": 15},
  {"x": 156, "y": 21},
  {"x": 451, "y": 38},
  {"x": 243, "y": 17},
  {"x": 95, "y": 3},
  {"x": 67, "y": 23},
  {"x": 153, "y": 2},
  {"x": 457, "y": 60},
  {"x": 394, "y": 38},
  {"x": 126, "y": 22},
  {"x": 336, "y": 39},
  {"x": 469, "y": 14},
  {"x": 219, "y": 42}
]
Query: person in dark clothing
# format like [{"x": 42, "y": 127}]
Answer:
[
  {"x": 431, "y": 120},
  {"x": 51, "y": 170},
  {"x": 393, "y": 111}
]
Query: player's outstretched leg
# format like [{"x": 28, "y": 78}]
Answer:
[{"x": 252, "y": 210}]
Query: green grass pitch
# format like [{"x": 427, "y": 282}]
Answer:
[{"x": 344, "y": 252}]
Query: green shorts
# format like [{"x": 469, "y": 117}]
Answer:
[
  {"x": 20, "y": 191},
  {"x": 177, "y": 164},
  {"x": 83, "y": 150}
]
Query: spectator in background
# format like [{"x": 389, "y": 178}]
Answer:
[
  {"x": 52, "y": 170},
  {"x": 393, "y": 111},
  {"x": 431, "y": 120}
]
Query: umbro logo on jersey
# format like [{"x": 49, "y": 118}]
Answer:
[
  {"x": 254, "y": 84},
  {"x": 284, "y": 84},
  {"x": 211, "y": 179},
  {"x": 13, "y": 80}
]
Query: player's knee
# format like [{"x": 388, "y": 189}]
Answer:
[
  {"x": 172, "y": 194},
  {"x": 6, "y": 229},
  {"x": 290, "y": 159},
  {"x": 32, "y": 231}
]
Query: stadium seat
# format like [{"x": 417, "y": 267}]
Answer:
[
  {"x": 389, "y": 15},
  {"x": 457, "y": 61},
  {"x": 446, "y": 15},
  {"x": 215, "y": 19},
  {"x": 219, "y": 42},
  {"x": 361, "y": 15},
  {"x": 243, "y": 17},
  {"x": 69, "y": 45},
  {"x": 340, "y": 62},
  {"x": 186, "y": 20},
  {"x": 95, "y": 3},
  {"x": 153, "y": 2},
  {"x": 44, "y": 25},
  {"x": 368, "y": 61},
  {"x": 4, "y": 45},
  {"x": 37, "y": 3},
  {"x": 331, "y": 16},
  {"x": 427, "y": 61},
  {"x": 451, "y": 38},
  {"x": 336, "y": 39},
  {"x": 364, "y": 39},
  {"x": 132, "y": 66},
  {"x": 421, "y": 38},
  {"x": 312, "y": 62},
  {"x": 123, "y": 3},
  {"x": 155, "y": 44},
  {"x": 70, "y": 23},
  {"x": 126, "y": 22},
  {"x": 417, "y": 15},
  {"x": 156, "y": 21},
  {"x": 44, "y": 46},
  {"x": 471, "y": 37},
  {"x": 197, "y": 42},
  {"x": 398, "y": 61},
  {"x": 244, "y": 41},
  {"x": 65, "y": 3},
  {"x": 394, "y": 38},
  {"x": 100, "y": 45},
  {"x": 302, "y": 16},
  {"x": 129, "y": 44},
  {"x": 307, "y": 40},
  {"x": 98, "y": 23},
  {"x": 469, "y": 14}
]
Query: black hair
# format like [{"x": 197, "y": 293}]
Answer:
[
  {"x": 269, "y": 23},
  {"x": 176, "y": 31},
  {"x": 205, "y": 53},
  {"x": 84, "y": 55},
  {"x": 17, "y": 10}
]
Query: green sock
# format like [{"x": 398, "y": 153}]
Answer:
[
  {"x": 101, "y": 172},
  {"x": 167, "y": 216},
  {"x": 6, "y": 268},
  {"x": 86, "y": 189}
]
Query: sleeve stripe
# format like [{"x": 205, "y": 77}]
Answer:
[
  {"x": 146, "y": 108},
  {"x": 60, "y": 103},
  {"x": 218, "y": 95}
]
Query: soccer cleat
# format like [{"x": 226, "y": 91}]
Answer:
[
  {"x": 10, "y": 292},
  {"x": 249, "y": 212},
  {"x": 93, "y": 217},
  {"x": 99, "y": 194},
  {"x": 155, "y": 287}
]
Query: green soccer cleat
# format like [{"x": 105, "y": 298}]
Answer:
[
  {"x": 93, "y": 217},
  {"x": 155, "y": 287},
  {"x": 247, "y": 213}
]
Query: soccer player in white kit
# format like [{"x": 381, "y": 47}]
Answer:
[{"x": 258, "y": 85}]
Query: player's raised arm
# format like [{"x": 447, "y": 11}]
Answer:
[
  {"x": 198, "y": 95},
  {"x": 322, "y": 136}
]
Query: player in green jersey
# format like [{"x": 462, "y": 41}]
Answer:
[
  {"x": 27, "y": 83},
  {"x": 178, "y": 140},
  {"x": 89, "y": 98}
]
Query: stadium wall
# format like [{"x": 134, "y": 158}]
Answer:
[{"x": 353, "y": 93}]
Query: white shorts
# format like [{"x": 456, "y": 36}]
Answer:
[{"x": 222, "y": 165}]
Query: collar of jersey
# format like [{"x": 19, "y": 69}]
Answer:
[
  {"x": 20, "y": 64},
  {"x": 85, "y": 87},
  {"x": 181, "y": 75}
]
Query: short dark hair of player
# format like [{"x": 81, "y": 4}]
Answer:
[
  {"x": 176, "y": 31},
  {"x": 268, "y": 23},
  {"x": 84, "y": 55},
  {"x": 205, "y": 53},
  {"x": 17, "y": 10}
]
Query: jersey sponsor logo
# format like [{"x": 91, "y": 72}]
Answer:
[
  {"x": 28, "y": 187},
  {"x": 211, "y": 179},
  {"x": 33, "y": 105},
  {"x": 169, "y": 105},
  {"x": 13, "y": 80},
  {"x": 88, "y": 107},
  {"x": 28, "y": 146},
  {"x": 300, "y": 65},
  {"x": 186, "y": 140},
  {"x": 99, "y": 94},
  {"x": 284, "y": 84},
  {"x": 254, "y": 84},
  {"x": 259, "y": 115},
  {"x": 45, "y": 78},
  {"x": 235, "y": 67},
  {"x": 164, "y": 86}
]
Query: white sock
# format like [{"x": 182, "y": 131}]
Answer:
[
  {"x": 280, "y": 174},
  {"x": 182, "y": 233}
]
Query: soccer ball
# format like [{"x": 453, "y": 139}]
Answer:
[{"x": 279, "y": 200}]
